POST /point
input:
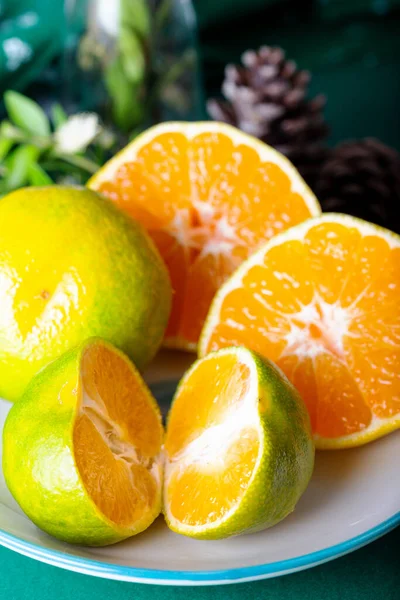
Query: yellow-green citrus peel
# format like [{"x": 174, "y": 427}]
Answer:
[
  {"x": 206, "y": 472},
  {"x": 80, "y": 472},
  {"x": 73, "y": 266}
]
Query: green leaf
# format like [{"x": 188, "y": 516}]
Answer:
[
  {"x": 26, "y": 114},
  {"x": 3, "y": 189},
  {"x": 58, "y": 115},
  {"x": 10, "y": 132},
  {"x": 18, "y": 164},
  {"x": 135, "y": 15},
  {"x": 126, "y": 102},
  {"x": 5, "y": 147},
  {"x": 132, "y": 54},
  {"x": 38, "y": 176},
  {"x": 80, "y": 162}
]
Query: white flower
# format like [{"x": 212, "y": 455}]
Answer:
[
  {"x": 107, "y": 16},
  {"x": 77, "y": 133}
]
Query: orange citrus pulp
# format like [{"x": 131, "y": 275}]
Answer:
[
  {"x": 82, "y": 448},
  {"x": 117, "y": 438},
  {"x": 209, "y": 195},
  {"x": 238, "y": 451},
  {"x": 322, "y": 301},
  {"x": 199, "y": 407}
]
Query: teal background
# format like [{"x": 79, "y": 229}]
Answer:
[
  {"x": 352, "y": 48},
  {"x": 371, "y": 573},
  {"x": 40, "y": 25}
]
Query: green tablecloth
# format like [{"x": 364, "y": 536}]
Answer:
[{"x": 372, "y": 573}]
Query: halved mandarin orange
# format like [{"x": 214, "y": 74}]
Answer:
[
  {"x": 209, "y": 195},
  {"x": 322, "y": 300},
  {"x": 82, "y": 448},
  {"x": 239, "y": 449}
]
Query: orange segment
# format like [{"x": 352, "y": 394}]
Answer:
[
  {"x": 322, "y": 300},
  {"x": 209, "y": 195},
  {"x": 238, "y": 459},
  {"x": 341, "y": 407},
  {"x": 301, "y": 372},
  {"x": 210, "y": 444},
  {"x": 123, "y": 492},
  {"x": 331, "y": 249},
  {"x": 215, "y": 162},
  {"x": 383, "y": 293},
  {"x": 376, "y": 372},
  {"x": 214, "y": 389},
  {"x": 158, "y": 180},
  {"x": 286, "y": 291},
  {"x": 117, "y": 438},
  {"x": 205, "y": 275},
  {"x": 371, "y": 253}
]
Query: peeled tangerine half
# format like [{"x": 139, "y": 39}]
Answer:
[
  {"x": 239, "y": 450},
  {"x": 82, "y": 448},
  {"x": 322, "y": 300}
]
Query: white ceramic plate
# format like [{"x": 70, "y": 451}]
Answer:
[{"x": 353, "y": 498}]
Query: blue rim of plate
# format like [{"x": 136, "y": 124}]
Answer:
[{"x": 156, "y": 576}]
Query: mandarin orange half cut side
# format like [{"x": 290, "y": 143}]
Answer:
[
  {"x": 322, "y": 300},
  {"x": 238, "y": 448},
  {"x": 82, "y": 448},
  {"x": 209, "y": 195}
]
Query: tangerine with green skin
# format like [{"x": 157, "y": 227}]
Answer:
[
  {"x": 73, "y": 266},
  {"x": 40, "y": 463},
  {"x": 285, "y": 459}
]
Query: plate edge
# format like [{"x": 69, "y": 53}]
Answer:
[{"x": 187, "y": 578}]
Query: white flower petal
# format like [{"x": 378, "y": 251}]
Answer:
[
  {"x": 107, "y": 16},
  {"x": 77, "y": 133}
]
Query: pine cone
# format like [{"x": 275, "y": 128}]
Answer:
[
  {"x": 362, "y": 178},
  {"x": 266, "y": 97}
]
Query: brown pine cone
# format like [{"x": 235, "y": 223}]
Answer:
[
  {"x": 266, "y": 97},
  {"x": 362, "y": 178}
]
